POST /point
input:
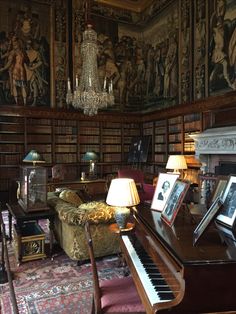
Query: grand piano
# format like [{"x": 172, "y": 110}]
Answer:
[{"x": 172, "y": 275}]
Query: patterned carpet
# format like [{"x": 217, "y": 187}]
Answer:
[{"x": 54, "y": 286}]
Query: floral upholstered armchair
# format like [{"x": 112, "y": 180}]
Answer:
[{"x": 72, "y": 212}]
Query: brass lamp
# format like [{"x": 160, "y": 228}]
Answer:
[
  {"x": 177, "y": 163},
  {"x": 122, "y": 194}
]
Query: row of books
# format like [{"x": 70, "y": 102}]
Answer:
[
  {"x": 39, "y": 129},
  {"x": 12, "y": 148},
  {"x": 65, "y": 130},
  {"x": 62, "y": 148}
]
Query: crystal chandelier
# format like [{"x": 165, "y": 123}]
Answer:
[{"x": 88, "y": 94}]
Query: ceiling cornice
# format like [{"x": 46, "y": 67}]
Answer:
[{"x": 132, "y": 5}]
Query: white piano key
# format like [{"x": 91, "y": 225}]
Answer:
[{"x": 144, "y": 278}]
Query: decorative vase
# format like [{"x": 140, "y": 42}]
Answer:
[{"x": 121, "y": 216}]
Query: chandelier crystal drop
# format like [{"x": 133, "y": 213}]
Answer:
[{"x": 88, "y": 94}]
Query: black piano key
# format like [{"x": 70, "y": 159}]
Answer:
[
  {"x": 157, "y": 282},
  {"x": 166, "y": 296}
]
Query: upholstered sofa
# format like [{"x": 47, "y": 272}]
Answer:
[{"x": 69, "y": 226}]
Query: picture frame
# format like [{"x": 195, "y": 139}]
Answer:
[
  {"x": 228, "y": 213},
  {"x": 139, "y": 147},
  {"x": 175, "y": 200},
  {"x": 207, "y": 219},
  {"x": 165, "y": 184},
  {"x": 219, "y": 188}
]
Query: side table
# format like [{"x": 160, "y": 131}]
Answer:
[
  {"x": 116, "y": 229},
  {"x": 16, "y": 211}
]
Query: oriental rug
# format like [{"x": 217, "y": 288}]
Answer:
[{"x": 57, "y": 286}]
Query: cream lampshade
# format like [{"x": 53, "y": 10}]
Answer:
[
  {"x": 177, "y": 163},
  {"x": 122, "y": 194}
]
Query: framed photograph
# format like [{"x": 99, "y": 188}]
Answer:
[
  {"x": 165, "y": 184},
  {"x": 207, "y": 219},
  {"x": 138, "y": 151},
  {"x": 174, "y": 202},
  {"x": 228, "y": 213},
  {"x": 219, "y": 188}
]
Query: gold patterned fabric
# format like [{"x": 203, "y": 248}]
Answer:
[
  {"x": 69, "y": 227},
  {"x": 71, "y": 197},
  {"x": 96, "y": 212}
]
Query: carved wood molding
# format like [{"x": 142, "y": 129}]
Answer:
[
  {"x": 35, "y": 112},
  {"x": 210, "y": 104}
]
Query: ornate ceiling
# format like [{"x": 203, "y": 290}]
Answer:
[
  {"x": 132, "y": 5},
  {"x": 136, "y": 12}
]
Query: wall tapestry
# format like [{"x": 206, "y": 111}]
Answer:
[
  {"x": 222, "y": 46},
  {"x": 27, "y": 75}
]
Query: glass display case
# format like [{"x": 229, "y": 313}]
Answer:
[{"x": 33, "y": 188}]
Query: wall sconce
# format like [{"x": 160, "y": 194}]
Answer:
[
  {"x": 92, "y": 158},
  {"x": 177, "y": 163},
  {"x": 122, "y": 194}
]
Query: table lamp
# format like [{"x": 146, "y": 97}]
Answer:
[
  {"x": 34, "y": 157},
  {"x": 92, "y": 158},
  {"x": 177, "y": 163},
  {"x": 122, "y": 194}
]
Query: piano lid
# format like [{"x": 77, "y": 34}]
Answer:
[{"x": 178, "y": 239}]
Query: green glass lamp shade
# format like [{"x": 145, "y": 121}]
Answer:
[
  {"x": 34, "y": 157},
  {"x": 90, "y": 156}
]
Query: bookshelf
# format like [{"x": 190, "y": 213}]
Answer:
[
  {"x": 89, "y": 140},
  {"x": 175, "y": 133},
  {"x": 192, "y": 125},
  {"x": 65, "y": 141},
  {"x": 64, "y": 137},
  {"x": 160, "y": 142},
  {"x": 111, "y": 142},
  {"x": 12, "y": 151},
  {"x": 171, "y": 137},
  {"x": 130, "y": 130},
  {"x": 39, "y": 137}
]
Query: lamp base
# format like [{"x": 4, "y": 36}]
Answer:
[{"x": 122, "y": 215}]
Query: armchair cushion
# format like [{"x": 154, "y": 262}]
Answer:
[
  {"x": 71, "y": 197},
  {"x": 96, "y": 212}
]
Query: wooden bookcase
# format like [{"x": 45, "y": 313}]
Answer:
[
  {"x": 130, "y": 130},
  {"x": 39, "y": 137},
  {"x": 175, "y": 134},
  {"x": 89, "y": 140},
  {"x": 64, "y": 136},
  {"x": 160, "y": 141},
  {"x": 65, "y": 141},
  {"x": 12, "y": 152}
]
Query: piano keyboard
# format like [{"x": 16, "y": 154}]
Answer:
[{"x": 154, "y": 284}]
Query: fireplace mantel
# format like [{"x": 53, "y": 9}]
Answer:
[{"x": 215, "y": 141}]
